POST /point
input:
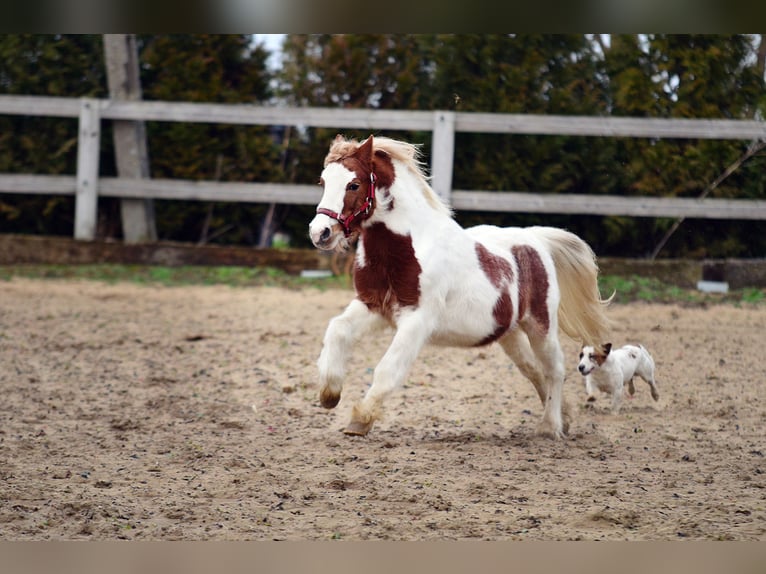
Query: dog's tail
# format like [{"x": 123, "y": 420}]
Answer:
[{"x": 581, "y": 310}]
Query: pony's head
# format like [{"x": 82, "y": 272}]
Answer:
[{"x": 349, "y": 181}]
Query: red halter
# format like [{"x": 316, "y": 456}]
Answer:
[{"x": 363, "y": 210}]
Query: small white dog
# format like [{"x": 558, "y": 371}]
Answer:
[{"x": 609, "y": 370}]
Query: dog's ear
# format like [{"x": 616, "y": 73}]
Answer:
[{"x": 607, "y": 348}]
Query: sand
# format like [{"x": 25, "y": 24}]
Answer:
[{"x": 191, "y": 413}]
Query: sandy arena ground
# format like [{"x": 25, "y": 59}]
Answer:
[{"x": 191, "y": 413}]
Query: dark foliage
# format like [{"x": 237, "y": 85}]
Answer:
[{"x": 685, "y": 76}]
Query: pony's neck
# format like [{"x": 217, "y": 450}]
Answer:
[{"x": 409, "y": 203}]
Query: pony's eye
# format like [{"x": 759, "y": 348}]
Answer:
[{"x": 353, "y": 186}]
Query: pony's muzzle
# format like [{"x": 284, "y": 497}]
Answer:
[
  {"x": 323, "y": 239},
  {"x": 323, "y": 233}
]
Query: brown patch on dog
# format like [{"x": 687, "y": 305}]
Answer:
[
  {"x": 533, "y": 285},
  {"x": 499, "y": 272},
  {"x": 600, "y": 354},
  {"x": 390, "y": 276},
  {"x": 606, "y": 348}
]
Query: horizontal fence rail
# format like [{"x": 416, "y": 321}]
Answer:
[{"x": 87, "y": 186}]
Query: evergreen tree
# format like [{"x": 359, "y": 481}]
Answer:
[
  {"x": 44, "y": 65},
  {"x": 684, "y": 76},
  {"x": 702, "y": 76},
  {"x": 631, "y": 75},
  {"x": 216, "y": 69}
]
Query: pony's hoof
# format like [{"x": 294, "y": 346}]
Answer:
[
  {"x": 328, "y": 399},
  {"x": 546, "y": 431},
  {"x": 356, "y": 428}
]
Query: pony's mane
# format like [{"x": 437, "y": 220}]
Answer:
[{"x": 406, "y": 153}]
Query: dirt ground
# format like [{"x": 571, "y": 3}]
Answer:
[{"x": 191, "y": 413}]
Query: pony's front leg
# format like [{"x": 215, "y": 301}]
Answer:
[
  {"x": 411, "y": 334},
  {"x": 342, "y": 332}
]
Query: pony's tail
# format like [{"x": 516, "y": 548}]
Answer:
[{"x": 581, "y": 309}]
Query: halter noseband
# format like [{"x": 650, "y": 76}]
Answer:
[{"x": 363, "y": 210}]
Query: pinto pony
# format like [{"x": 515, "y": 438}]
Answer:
[{"x": 417, "y": 270}]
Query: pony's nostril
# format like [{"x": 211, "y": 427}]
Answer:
[{"x": 325, "y": 234}]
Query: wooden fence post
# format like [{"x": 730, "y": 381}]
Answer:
[
  {"x": 138, "y": 222},
  {"x": 443, "y": 152},
  {"x": 86, "y": 193}
]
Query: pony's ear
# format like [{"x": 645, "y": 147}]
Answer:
[
  {"x": 607, "y": 348},
  {"x": 339, "y": 138},
  {"x": 364, "y": 151}
]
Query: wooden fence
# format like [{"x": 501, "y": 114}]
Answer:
[{"x": 86, "y": 185}]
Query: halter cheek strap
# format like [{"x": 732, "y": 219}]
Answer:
[{"x": 364, "y": 209}]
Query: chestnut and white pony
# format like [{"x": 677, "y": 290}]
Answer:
[{"x": 417, "y": 270}]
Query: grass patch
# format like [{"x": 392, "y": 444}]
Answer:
[
  {"x": 171, "y": 276},
  {"x": 627, "y": 289},
  {"x": 638, "y": 288}
]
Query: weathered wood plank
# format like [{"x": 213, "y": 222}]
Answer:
[
  {"x": 268, "y": 115},
  {"x": 211, "y": 191},
  {"x": 172, "y": 189},
  {"x": 609, "y": 205},
  {"x": 391, "y": 119},
  {"x": 443, "y": 153},
  {"x": 86, "y": 195},
  {"x": 121, "y": 55},
  {"x": 36, "y": 249},
  {"x": 38, "y": 184},
  {"x": 609, "y": 126},
  {"x": 49, "y": 106}
]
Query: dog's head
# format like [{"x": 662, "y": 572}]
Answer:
[{"x": 593, "y": 357}]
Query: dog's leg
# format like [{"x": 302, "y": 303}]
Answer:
[
  {"x": 646, "y": 372},
  {"x": 590, "y": 391},
  {"x": 653, "y": 385},
  {"x": 649, "y": 372},
  {"x": 617, "y": 392},
  {"x": 631, "y": 387}
]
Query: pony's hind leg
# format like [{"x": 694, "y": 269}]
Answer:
[
  {"x": 547, "y": 349},
  {"x": 517, "y": 346},
  {"x": 342, "y": 332},
  {"x": 411, "y": 334}
]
